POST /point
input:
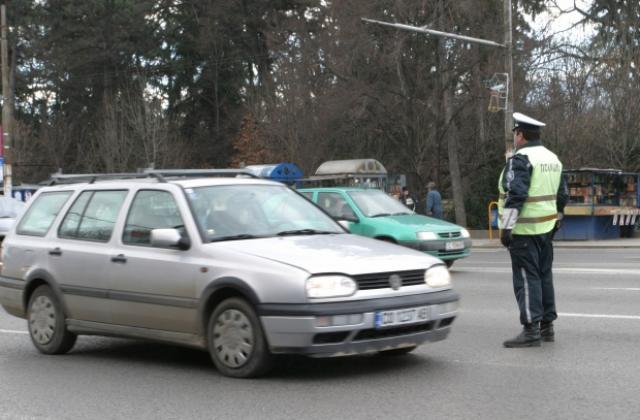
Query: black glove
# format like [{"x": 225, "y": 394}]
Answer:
[
  {"x": 506, "y": 238},
  {"x": 556, "y": 228},
  {"x": 558, "y": 225}
]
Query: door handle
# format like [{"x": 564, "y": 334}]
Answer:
[
  {"x": 56, "y": 251},
  {"x": 120, "y": 258}
]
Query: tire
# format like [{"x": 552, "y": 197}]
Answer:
[
  {"x": 237, "y": 343},
  {"x": 449, "y": 263},
  {"x": 47, "y": 323},
  {"x": 398, "y": 352}
]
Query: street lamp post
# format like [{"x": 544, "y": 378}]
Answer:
[
  {"x": 7, "y": 104},
  {"x": 508, "y": 46}
]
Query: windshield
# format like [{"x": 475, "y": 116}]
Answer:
[
  {"x": 375, "y": 203},
  {"x": 228, "y": 212},
  {"x": 11, "y": 207}
]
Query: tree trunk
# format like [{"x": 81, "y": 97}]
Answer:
[{"x": 450, "y": 131}]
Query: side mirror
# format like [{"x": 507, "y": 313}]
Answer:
[
  {"x": 344, "y": 224},
  {"x": 348, "y": 218},
  {"x": 169, "y": 238}
]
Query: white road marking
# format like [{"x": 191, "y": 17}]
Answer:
[
  {"x": 568, "y": 270},
  {"x": 485, "y": 250},
  {"x": 633, "y": 289},
  {"x": 606, "y": 316},
  {"x": 13, "y": 332}
]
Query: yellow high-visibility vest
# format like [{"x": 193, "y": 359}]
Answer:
[{"x": 539, "y": 213}]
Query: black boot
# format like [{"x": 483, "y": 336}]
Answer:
[
  {"x": 546, "y": 331},
  {"x": 529, "y": 337}
]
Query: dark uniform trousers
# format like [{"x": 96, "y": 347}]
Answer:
[{"x": 531, "y": 261}]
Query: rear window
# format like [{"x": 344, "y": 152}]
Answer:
[
  {"x": 42, "y": 213},
  {"x": 93, "y": 216}
]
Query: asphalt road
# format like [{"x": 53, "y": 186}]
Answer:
[{"x": 590, "y": 372}]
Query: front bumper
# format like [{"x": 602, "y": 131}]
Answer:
[
  {"x": 295, "y": 328},
  {"x": 438, "y": 248}
]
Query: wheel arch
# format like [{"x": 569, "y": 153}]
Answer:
[
  {"x": 36, "y": 279},
  {"x": 219, "y": 290},
  {"x": 386, "y": 238}
]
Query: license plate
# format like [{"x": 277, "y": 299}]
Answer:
[
  {"x": 402, "y": 316},
  {"x": 454, "y": 246}
]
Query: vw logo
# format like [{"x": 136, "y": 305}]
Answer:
[{"x": 395, "y": 281}]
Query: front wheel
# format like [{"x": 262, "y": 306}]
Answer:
[
  {"x": 237, "y": 342},
  {"x": 449, "y": 263},
  {"x": 47, "y": 323}
]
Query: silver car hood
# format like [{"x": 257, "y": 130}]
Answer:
[{"x": 339, "y": 253}]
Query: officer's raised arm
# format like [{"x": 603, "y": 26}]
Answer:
[{"x": 515, "y": 183}]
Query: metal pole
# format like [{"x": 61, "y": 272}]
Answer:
[
  {"x": 7, "y": 102},
  {"x": 508, "y": 113},
  {"x": 508, "y": 46},
  {"x": 425, "y": 30}
]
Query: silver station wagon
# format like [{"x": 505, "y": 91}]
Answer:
[{"x": 244, "y": 268}]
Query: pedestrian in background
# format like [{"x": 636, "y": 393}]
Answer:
[
  {"x": 434, "y": 201},
  {"x": 408, "y": 199},
  {"x": 532, "y": 198}
]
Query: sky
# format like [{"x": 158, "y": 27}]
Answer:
[{"x": 559, "y": 20}]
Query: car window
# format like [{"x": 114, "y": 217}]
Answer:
[
  {"x": 92, "y": 216},
  {"x": 375, "y": 203},
  {"x": 335, "y": 205},
  {"x": 151, "y": 209},
  {"x": 42, "y": 213},
  {"x": 11, "y": 207}
]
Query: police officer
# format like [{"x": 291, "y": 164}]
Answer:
[{"x": 533, "y": 195}]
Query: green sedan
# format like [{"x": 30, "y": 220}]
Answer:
[{"x": 373, "y": 213}]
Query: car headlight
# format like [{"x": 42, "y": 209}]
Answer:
[
  {"x": 426, "y": 236},
  {"x": 330, "y": 286},
  {"x": 437, "y": 276},
  {"x": 465, "y": 233}
]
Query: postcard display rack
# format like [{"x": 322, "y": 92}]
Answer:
[{"x": 603, "y": 204}]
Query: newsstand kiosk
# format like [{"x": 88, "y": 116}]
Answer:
[{"x": 603, "y": 204}]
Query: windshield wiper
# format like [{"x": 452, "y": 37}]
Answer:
[
  {"x": 304, "y": 232},
  {"x": 234, "y": 237},
  {"x": 402, "y": 213},
  {"x": 381, "y": 215}
]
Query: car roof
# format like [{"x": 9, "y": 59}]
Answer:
[
  {"x": 329, "y": 189},
  {"x": 183, "y": 182}
]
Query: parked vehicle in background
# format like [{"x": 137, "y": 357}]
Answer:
[
  {"x": 375, "y": 214},
  {"x": 244, "y": 268},
  {"x": 10, "y": 210}
]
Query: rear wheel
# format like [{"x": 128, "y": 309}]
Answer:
[
  {"x": 236, "y": 340},
  {"x": 398, "y": 352},
  {"x": 47, "y": 323}
]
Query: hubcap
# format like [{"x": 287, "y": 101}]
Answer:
[
  {"x": 42, "y": 320},
  {"x": 233, "y": 338}
]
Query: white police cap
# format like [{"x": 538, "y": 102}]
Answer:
[{"x": 526, "y": 123}]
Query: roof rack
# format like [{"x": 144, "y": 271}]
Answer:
[
  {"x": 160, "y": 174},
  {"x": 58, "y": 178},
  {"x": 186, "y": 173}
]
